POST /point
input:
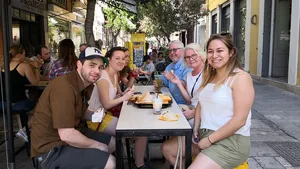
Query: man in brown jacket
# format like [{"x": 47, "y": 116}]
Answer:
[{"x": 58, "y": 138}]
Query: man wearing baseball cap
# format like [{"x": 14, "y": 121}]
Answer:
[{"x": 58, "y": 137}]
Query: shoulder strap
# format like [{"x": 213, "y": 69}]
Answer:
[
  {"x": 232, "y": 79},
  {"x": 17, "y": 65}
]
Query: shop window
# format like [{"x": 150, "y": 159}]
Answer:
[
  {"x": 58, "y": 30},
  {"x": 214, "y": 24},
  {"x": 225, "y": 19}
]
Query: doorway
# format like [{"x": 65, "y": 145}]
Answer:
[
  {"x": 282, "y": 27},
  {"x": 240, "y": 28},
  {"x": 28, "y": 34}
]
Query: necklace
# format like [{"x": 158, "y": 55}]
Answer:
[{"x": 192, "y": 91}]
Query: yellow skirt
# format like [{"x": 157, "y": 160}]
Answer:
[{"x": 102, "y": 125}]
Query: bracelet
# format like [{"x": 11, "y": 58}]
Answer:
[
  {"x": 209, "y": 140},
  {"x": 36, "y": 68}
]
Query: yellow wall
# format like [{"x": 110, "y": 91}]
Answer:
[
  {"x": 298, "y": 75},
  {"x": 213, "y": 4},
  {"x": 254, "y": 38}
]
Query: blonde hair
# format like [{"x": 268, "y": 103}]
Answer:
[
  {"x": 209, "y": 72},
  {"x": 197, "y": 49},
  {"x": 15, "y": 50}
]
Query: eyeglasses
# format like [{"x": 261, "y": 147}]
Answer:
[
  {"x": 193, "y": 56},
  {"x": 173, "y": 50}
]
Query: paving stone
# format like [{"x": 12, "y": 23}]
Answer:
[
  {"x": 264, "y": 132},
  {"x": 253, "y": 164},
  {"x": 259, "y": 124},
  {"x": 261, "y": 149},
  {"x": 269, "y": 163},
  {"x": 283, "y": 162},
  {"x": 271, "y": 138},
  {"x": 274, "y": 117},
  {"x": 288, "y": 150}
]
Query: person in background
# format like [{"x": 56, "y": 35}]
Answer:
[
  {"x": 178, "y": 68},
  {"x": 43, "y": 55},
  {"x": 58, "y": 136},
  {"x": 82, "y": 47},
  {"x": 148, "y": 69},
  {"x": 66, "y": 61},
  {"x": 127, "y": 76},
  {"x": 107, "y": 94},
  {"x": 223, "y": 114},
  {"x": 160, "y": 62},
  {"x": 153, "y": 55},
  {"x": 195, "y": 58},
  {"x": 160, "y": 58},
  {"x": 21, "y": 73}
]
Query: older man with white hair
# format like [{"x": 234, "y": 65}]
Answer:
[{"x": 178, "y": 68}]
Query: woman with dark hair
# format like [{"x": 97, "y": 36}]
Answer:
[
  {"x": 223, "y": 113},
  {"x": 21, "y": 73},
  {"x": 127, "y": 76},
  {"x": 66, "y": 61},
  {"x": 107, "y": 94}
]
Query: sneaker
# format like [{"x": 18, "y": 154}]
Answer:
[{"x": 21, "y": 134}]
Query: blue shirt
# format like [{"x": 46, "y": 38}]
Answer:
[{"x": 180, "y": 70}]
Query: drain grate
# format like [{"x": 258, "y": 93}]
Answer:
[{"x": 288, "y": 150}]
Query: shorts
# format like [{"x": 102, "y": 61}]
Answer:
[
  {"x": 68, "y": 157},
  {"x": 230, "y": 152}
]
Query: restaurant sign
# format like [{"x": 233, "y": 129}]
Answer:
[{"x": 34, "y": 6}]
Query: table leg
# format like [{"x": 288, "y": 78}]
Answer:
[
  {"x": 128, "y": 153},
  {"x": 188, "y": 148},
  {"x": 119, "y": 157}
]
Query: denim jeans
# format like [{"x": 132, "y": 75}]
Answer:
[{"x": 21, "y": 106}]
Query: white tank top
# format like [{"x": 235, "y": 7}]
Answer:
[
  {"x": 94, "y": 102},
  {"x": 217, "y": 108}
]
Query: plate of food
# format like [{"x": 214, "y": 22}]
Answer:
[
  {"x": 135, "y": 95},
  {"x": 145, "y": 100}
]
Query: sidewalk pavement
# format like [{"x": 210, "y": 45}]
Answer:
[
  {"x": 275, "y": 120},
  {"x": 275, "y": 133}
]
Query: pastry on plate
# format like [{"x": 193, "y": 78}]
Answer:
[
  {"x": 169, "y": 116},
  {"x": 144, "y": 98}
]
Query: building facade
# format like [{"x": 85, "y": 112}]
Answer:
[
  {"x": 60, "y": 20},
  {"x": 266, "y": 33},
  {"x": 28, "y": 24}
]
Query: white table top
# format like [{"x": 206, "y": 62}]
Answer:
[{"x": 134, "y": 118}]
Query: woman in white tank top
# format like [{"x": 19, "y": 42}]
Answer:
[
  {"x": 223, "y": 113},
  {"x": 105, "y": 95},
  {"x": 195, "y": 58}
]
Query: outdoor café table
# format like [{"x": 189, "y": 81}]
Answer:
[{"x": 137, "y": 122}]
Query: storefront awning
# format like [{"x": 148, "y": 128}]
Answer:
[{"x": 58, "y": 11}]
